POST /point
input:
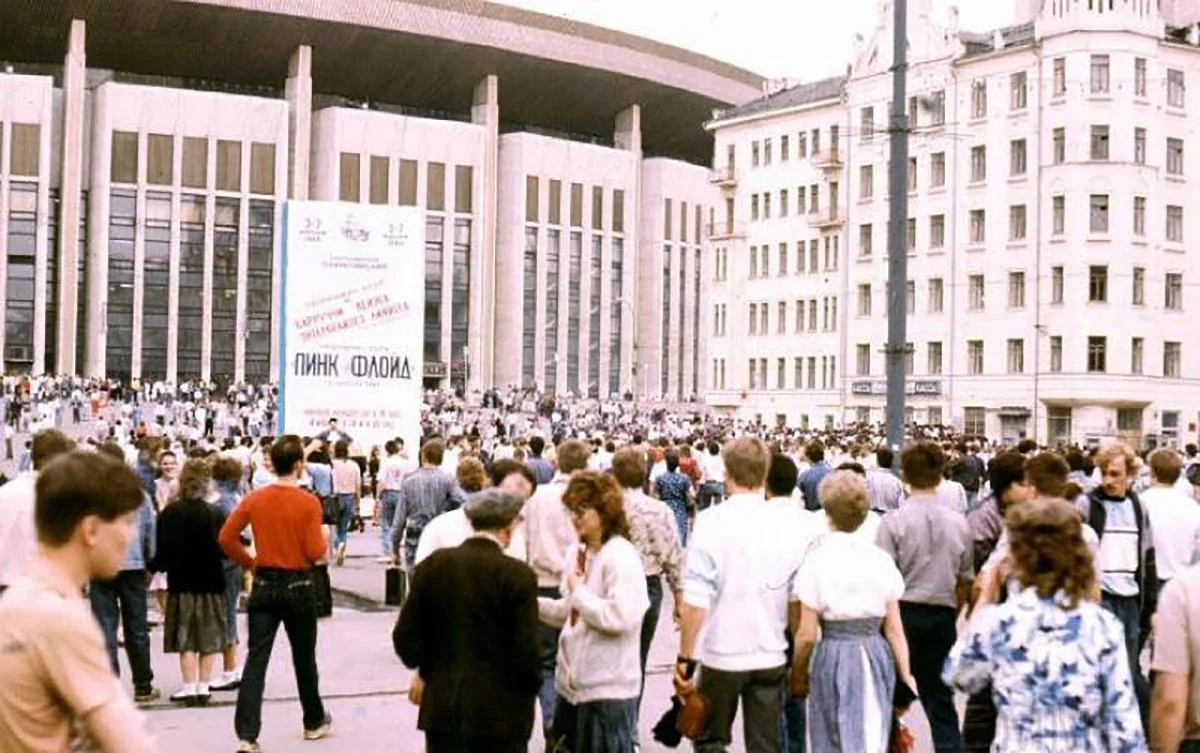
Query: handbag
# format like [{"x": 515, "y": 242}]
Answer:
[
  {"x": 395, "y": 587},
  {"x": 693, "y": 717},
  {"x": 322, "y": 590},
  {"x": 331, "y": 511}
]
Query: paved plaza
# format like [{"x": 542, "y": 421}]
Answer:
[{"x": 365, "y": 686}]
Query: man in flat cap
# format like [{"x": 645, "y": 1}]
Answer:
[{"x": 470, "y": 630}]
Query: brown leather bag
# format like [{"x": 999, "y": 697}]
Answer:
[{"x": 693, "y": 717}]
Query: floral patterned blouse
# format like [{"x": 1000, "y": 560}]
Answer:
[{"x": 1060, "y": 677}]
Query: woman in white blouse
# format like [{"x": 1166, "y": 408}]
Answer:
[
  {"x": 599, "y": 671},
  {"x": 848, "y": 588}
]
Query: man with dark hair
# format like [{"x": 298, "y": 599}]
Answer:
[
  {"x": 470, "y": 629},
  {"x": 123, "y": 598},
  {"x": 18, "y": 535},
  {"x": 931, "y": 546},
  {"x": 392, "y": 471},
  {"x": 332, "y": 435},
  {"x": 884, "y": 490},
  {"x": 810, "y": 480},
  {"x": 288, "y": 540},
  {"x": 1006, "y": 483},
  {"x": 540, "y": 466},
  {"x": 58, "y": 690}
]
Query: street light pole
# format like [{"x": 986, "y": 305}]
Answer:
[{"x": 898, "y": 129}]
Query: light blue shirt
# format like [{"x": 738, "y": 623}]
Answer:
[{"x": 322, "y": 479}]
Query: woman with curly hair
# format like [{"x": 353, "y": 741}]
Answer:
[
  {"x": 195, "y": 626},
  {"x": 599, "y": 672},
  {"x": 1056, "y": 660}
]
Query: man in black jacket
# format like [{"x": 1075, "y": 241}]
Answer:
[{"x": 470, "y": 630}]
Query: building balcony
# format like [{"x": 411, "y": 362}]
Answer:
[
  {"x": 724, "y": 231},
  {"x": 829, "y": 159},
  {"x": 826, "y": 219},
  {"x": 725, "y": 177}
]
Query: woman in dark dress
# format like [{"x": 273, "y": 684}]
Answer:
[{"x": 194, "y": 563}]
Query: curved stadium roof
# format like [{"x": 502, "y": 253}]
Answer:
[{"x": 554, "y": 73}]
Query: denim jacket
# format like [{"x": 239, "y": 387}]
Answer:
[{"x": 141, "y": 548}]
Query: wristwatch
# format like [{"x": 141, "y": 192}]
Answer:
[{"x": 689, "y": 666}]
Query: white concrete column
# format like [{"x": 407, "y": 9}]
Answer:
[
  {"x": 41, "y": 258},
  {"x": 70, "y": 196},
  {"x": 628, "y": 136},
  {"x": 99, "y": 201},
  {"x": 174, "y": 264},
  {"x": 481, "y": 342},
  {"x": 299, "y": 96},
  {"x": 282, "y": 168}
]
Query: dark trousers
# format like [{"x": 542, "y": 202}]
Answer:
[
  {"x": 711, "y": 493},
  {"x": 1128, "y": 610},
  {"x": 654, "y": 590},
  {"x": 596, "y": 727},
  {"x": 795, "y": 724},
  {"x": 1190, "y": 746},
  {"x": 287, "y": 598},
  {"x": 979, "y": 722},
  {"x": 548, "y": 649},
  {"x": 930, "y": 631},
  {"x": 124, "y": 599},
  {"x": 761, "y": 695},
  {"x": 450, "y": 742}
]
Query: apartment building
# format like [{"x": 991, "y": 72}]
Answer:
[{"x": 1050, "y": 279}]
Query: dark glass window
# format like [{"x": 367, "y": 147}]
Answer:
[
  {"x": 434, "y": 253},
  {"x": 122, "y": 219},
  {"x": 574, "y": 275},
  {"x": 260, "y": 268},
  {"x": 191, "y": 287},
  {"x": 529, "y": 309},
  {"x": 460, "y": 297},
  {"x": 595, "y": 273},
  {"x": 226, "y": 222},
  {"x": 553, "y": 248}
]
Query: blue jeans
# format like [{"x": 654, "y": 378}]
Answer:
[
  {"x": 343, "y": 525},
  {"x": 233, "y": 591},
  {"x": 795, "y": 724},
  {"x": 597, "y": 727},
  {"x": 711, "y": 493},
  {"x": 124, "y": 598},
  {"x": 287, "y": 598},
  {"x": 1128, "y": 610},
  {"x": 387, "y": 511},
  {"x": 548, "y": 645},
  {"x": 930, "y": 631},
  {"x": 679, "y": 508}
]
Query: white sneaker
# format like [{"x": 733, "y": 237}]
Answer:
[{"x": 228, "y": 681}]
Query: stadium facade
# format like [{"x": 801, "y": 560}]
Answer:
[{"x": 147, "y": 148}]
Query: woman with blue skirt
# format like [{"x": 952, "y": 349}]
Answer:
[{"x": 849, "y": 593}]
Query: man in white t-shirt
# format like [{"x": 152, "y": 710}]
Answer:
[
  {"x": 736, "y": 589},
  {"x": 1174, "y": 516}
]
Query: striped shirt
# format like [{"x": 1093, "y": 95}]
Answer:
[{"x": 425, "y": 494}]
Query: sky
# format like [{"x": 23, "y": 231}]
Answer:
[{"x": 798, "y": 39}]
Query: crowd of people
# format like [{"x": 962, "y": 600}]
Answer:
[{"x": 821, "y": 583}]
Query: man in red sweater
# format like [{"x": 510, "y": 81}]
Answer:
[{"x": 288, "y": 539}]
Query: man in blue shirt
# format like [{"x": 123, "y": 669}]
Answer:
[
  {"x": 811, "y": 479},
  {"x": 124, "y": 598}
]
